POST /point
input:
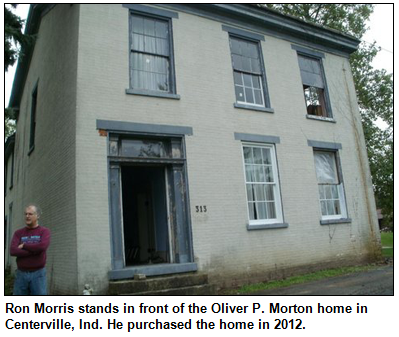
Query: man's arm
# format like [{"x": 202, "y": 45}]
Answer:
[
  {"x": 40, "y": 246},
  {"x": 15, "y": 250}
]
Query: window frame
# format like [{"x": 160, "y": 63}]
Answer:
[
  {"x": 270, "y": 222},
  {"x": 161, "y": 16},
  {"x": 33, "y": 118},
  {"x": 235, "y": 33},
  {"x": 316, "y": 56}
]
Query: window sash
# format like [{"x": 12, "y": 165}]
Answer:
[
  {"x": 249, "y": 75},
  {"x": 150, "y": 54},
  {"x": 331, "y": 189},
  {"x": 262, "y": 187}
]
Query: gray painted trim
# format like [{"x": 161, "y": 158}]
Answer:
[
  {"x": 254, "y": 108},
  {"x": 152, "y": 10},
  {"x": 247, "y": 137},
  {"x": 325, "y": 145},
  {"x": 335, "y": 221},
  {"x": 307, "y": 51},
  {"x": 323, "y": 119},
  {"x": 153, "y": 270},
  {"x": 152, "y": 93},
  {"x": 118, "y": 126},
  {"x": 243, "y": 33},
  {"x": 267, "y": 226}
]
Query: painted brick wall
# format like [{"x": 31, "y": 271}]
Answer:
[
  {"x": 204, "y": 78},
  {"x": 47, "y": 176}
]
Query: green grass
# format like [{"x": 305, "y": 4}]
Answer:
[
  {"x": 387, "y": 244},
  {"x": 247, "y": 289}
]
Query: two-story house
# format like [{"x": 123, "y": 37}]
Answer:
[{"x": 168, "y": 139}]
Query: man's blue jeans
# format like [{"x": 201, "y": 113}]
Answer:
[{"x": 30, "y": 283}]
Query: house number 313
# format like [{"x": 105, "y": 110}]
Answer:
[{"x": 200, "y": 209}]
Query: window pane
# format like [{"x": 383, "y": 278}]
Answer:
[
  {"x": 266, "y": 156},
  {"x": 149, "y": 27},
  {"x": 257, "y": 153},
  {"x": 255, "y": 66},
  {"x": 250, "y": 192},
  {"x": 271, "y": 210},
  {"x": 258, "y": 97},
  {"x": 334, "y": 191},
  {"x": 330, "y": 207},
  {"x": 260, "y": 193},
  {"x": 327, "y": 190},
  {"x": 269, "y": 174},
  {"x": 247, "y": 80},
  {"x": 337, "y": 207},
  {"x": 235, "y": 46},
  {"x": 251, "y": 210},
  {"x": 237, "y": 62},
  {"x": 149, "y": 44},
  {"x": 237, "y": 78},
  {"x": 321, "y": 192},
  {"x": 325, "y": 167},
  {"x": 249, "y": 173},
  {"x": 248, "y": 155},
  {"x": 162, "y": 46},
  {"x": 240, "y": 94},
  {"x": 249, "y": 97},
  {"x": 144, "y": 148},
  {"x": 259, "y": 173},
  {"x": 323, "y": 205},
  {"x": 246, "y": 64},
  {"x": 256, "y": 82},
  {"x": 138, "y": 42},
  {"x": 269, "y": 191},
  {"x": 161, "y": 29},
  {"x": 137, "y": 24},
  {"x": 261, "y": 210}
]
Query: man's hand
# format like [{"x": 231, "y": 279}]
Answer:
[{"x": 21, "y": 246}]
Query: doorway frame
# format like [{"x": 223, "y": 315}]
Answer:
[{"x": 177, "y": 194}]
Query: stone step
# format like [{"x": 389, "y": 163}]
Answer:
[
  {"x": 205, "y": 289},
  {"x": 154, "y": 284}
]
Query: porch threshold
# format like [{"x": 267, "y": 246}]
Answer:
[{"x": 152, "y": 270}]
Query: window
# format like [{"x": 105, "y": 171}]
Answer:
[
  {"x": 331, "y": 191},
  {"x": 151, "y": 62},
  {"x": 314, "y": 87},
  {"x": 262, "y": 187},
  {"x": 33, "y": 120},
  {"x": 248, "y": 70}
]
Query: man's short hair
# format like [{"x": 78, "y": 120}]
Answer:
[{"x": 37, "y": 209}]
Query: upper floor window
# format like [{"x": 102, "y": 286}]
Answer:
[
  {"x": 314, "y": 86},
  {"x": 248, "y": 70},
  {"x": 33, "y": 119},
  {"x": 151, "y": 52}
]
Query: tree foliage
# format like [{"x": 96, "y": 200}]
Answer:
[
  {"x": 374, "y": 89},
  {"x": 14, "y": 40}
]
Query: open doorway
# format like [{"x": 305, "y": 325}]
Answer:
[{"x": 145, "y": 217}]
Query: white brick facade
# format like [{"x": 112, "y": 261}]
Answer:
[{"x": 81, "y": 62}]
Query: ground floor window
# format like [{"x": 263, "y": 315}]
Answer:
[
  {"x": 262, "y": 184},
  {"x": 331, "y": 190}
]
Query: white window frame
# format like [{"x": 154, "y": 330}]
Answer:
[
  {"x": 276, "y": 183},
  {"x": 340, "y": 188}
]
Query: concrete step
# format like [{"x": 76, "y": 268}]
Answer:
[
  {"x": 205, "y": 289},
  {"x": 154, "y": 284}
]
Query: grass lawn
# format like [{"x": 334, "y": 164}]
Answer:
[
  {"x": 247, "y": 289},
  {"x": 387, "y": 244}
]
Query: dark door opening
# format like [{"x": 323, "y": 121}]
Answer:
[{"x": 145, "y": 220}]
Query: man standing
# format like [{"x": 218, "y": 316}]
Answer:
[{"x": 29, "y": 245}]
